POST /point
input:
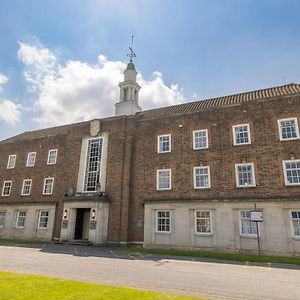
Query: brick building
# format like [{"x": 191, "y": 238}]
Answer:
[{"x": 181, "y": 176}]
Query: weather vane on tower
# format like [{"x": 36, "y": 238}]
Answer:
[{"x": 131, "y": 54}]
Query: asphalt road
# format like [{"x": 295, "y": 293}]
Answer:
[{"x": 199, "y": 277}]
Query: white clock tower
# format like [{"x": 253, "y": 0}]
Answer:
[{"x": 129, "y": 91}]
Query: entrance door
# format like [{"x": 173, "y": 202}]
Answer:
[{"x": 82, "y": 214}]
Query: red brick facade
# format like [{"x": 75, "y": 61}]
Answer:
[{"x": 132, "y": 160}]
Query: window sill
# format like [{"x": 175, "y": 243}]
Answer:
[
  {"x": 163, "y": 233},
  {"x": 203, "y": 234},
  {"x": 242, "y": 144},
  {"x": 290, "y": 139},
  {"x": 246, "y": 186},
  {"x": 254, "y": 237},
  {"x": 204, "y": 148}
]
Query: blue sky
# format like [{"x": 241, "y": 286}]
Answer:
[{"x": 60, "y": 61}]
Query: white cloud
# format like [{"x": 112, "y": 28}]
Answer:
[
  {"x": 3, "y": 79},
  {"x": 40, "y": 64},
  {"x": 9, "y": 111},
  {"x": 77, "y": 91}
]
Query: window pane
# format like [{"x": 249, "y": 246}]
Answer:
[
  {"x": 292, "y": 172},
  {"x": 92, "y": 173},
  {"x": 241, "y": 134},
  {"x": 288, "y": 129},
  {"x": 200, "y": 139},
  {"x": 203, "y": 222},
  {"x": 247, "y": 227},
  {"x": 163, "y": 221}
]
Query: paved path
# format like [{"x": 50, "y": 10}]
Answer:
[{"x": 206, "y": 278}]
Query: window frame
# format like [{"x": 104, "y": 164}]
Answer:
[
  {"x": 40, "y": 216},
  {"x": 17, "y": 219},
  {"x": 287, "y": 183},
  {"x": 237, "y": 178},
  {"x": 49, "y": 155},
  {"x": 156, "y": 221},
  {"x": 194, "y": 139},
  {"x": 28, "y": 154},
  {"x": 5, "y": 181},
  {"x": 208, "y": 174},
  {"x": 195, "y": 222},
  {"x": 157, "y": 180},
  {"x": 291, "y": 222},
  {"x": 23, "y": 185},
  {"x": 47, "y": 178},
  {"x": 158, "y": 143},
  {"x": 280, "y": 131},
  {"x": 87, "y": 154},
  {"x": 234, "y": 136},
  {"x": 2, "y": 218},
  {"x": 251, "y": 235},
  {"x": 8, "y": 161}
]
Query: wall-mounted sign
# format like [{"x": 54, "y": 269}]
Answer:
[
  {"x": 256, "y": 216},
  {"x": 139, "y": 223},
  {"x": 64, "y": 224},
  {"x": 93, "y": 224}
]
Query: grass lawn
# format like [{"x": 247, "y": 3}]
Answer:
[
  {"x": 24, "y": 287},
  {"x": 21, "y": 242},
  {"x": 218, "y": 255}
]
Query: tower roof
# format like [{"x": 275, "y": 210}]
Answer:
[{"x": 130, "y": 66}]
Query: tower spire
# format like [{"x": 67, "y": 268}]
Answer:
[
  {"x": 129, "y": 88},
  {"x": 131, "y": 54}
]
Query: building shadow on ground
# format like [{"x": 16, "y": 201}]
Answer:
[{"x": 121, "y": 253}]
